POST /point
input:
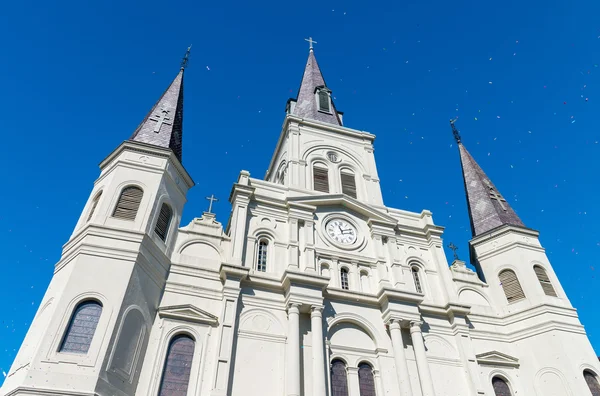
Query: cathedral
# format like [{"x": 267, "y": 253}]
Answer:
[{"x": 314, "y": 287}]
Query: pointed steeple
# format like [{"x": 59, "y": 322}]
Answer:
[
  {"x": 487, "y": 207},
  {"x": 163, "y": 126},
  {"x": 314, "y": 98}
]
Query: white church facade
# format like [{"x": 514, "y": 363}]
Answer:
[{"x": 313, "y": 288}]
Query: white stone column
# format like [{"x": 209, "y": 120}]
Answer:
[
  {"x": 400, "y": 358},
  {"x": 318, "y": 362},
  {"x": 292, "y": 367},
  {"x": 422, "y": 364}
]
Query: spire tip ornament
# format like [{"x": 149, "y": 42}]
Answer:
[
  {"x": 311, "y": 42},
  {"x": 455, "y": 131},
  {"x": 186, "y": 58}
]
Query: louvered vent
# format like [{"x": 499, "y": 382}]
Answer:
[
  {"x": 323, "y": 101},
  {"x": 128, "y": 204},
  {"x": 348, "y": 184},
  {"x": 321, "y": 179},
  {"x": 94, "y": 204},
  {"x": 544, "y": 281},
  {"x": 163, "y": 222},
  {"x": 512, "y": 287}
]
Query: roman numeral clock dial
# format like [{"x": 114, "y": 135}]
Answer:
[{"x": 341, "y": 231}]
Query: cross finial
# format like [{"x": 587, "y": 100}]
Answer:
[
  {"x": 455, "y": 131},
  {"x": 186, "y": 58},
  {"x": 454, "y": 248},
  {"x": 311, "y": 42},
  {"x": 211, "y": 199}
]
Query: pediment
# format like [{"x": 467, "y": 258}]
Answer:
[
  {"x": 373, "y": 214},
  {"x": 495, "y": 358},
  {"x": 188, "y": 313}
]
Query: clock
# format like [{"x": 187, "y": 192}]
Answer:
[{"x": 341, "y": 231}]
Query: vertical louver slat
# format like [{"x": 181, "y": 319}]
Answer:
[
  {"x": 417, "y": 279},
  {"x": 94, "y": 204},
  {"x": 163, "y": 222},
  {"x": 511, "y": 286},
  {"x": 323, "y": 101},
  {"x": 128, "y": 203},
  {"x": 321, "y": 179},
  {"x": 348, "y": 184},
  {"x": 544, "y": 281}
]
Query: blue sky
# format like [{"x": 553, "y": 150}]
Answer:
[{"x": 523, "y": 78}]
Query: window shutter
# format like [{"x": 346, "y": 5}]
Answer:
[
  {"x": 544, "y": 281},
  {"x": 501, "y": 388},
  {"x": 323, "y": 101},
  {"x": 128, "y": 203},
  {"x": 321, "y": 179},
  {"x": 94, "y": 204},
  {"x": 592, "y": 382},
  {"x": 82, "y": 327},
  {"x": 512, "y": 287},
  {"x": 163, "y": 222},
  {"x": 348, "y": 184}
]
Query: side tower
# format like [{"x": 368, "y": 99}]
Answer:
[
  {"x": 539, "y": 343},
  {"x": 90, "y": 333}
]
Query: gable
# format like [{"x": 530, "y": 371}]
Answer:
[
  {"x": 188, "y": 313},
  {"x": 495, "y": 358}
]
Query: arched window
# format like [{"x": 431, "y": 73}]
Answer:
[
  {"x": 178, "y": 366},
  {"x": 339, "y": 378},
  {"x": 261, "y": 257},
  {"x": 544, "y": 280},
  {"x": 511, "y": 286},
  {"x": 500, "y": 386},
  {"x": 417, "y": 279},
  {"x": 94, "y": 204},
  {"x": 364, "y": 282},
  {"x": 128, "y": 203},
  {"x": 129, "y": 342},
  {"x": 344, "y": 278},
  {"x": 320, "y": 178},
  {"x": 592, "y": 382},
  {"x": 81, "y": 329},
  {"x": 366, "y": 380},
  {"x": 348, "y": 183},
  {"x": 164, "y": 221}
]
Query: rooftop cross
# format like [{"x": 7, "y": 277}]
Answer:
[
  {"x": 454, "y": 248},
  {"x": 186, "y": 58},
  {"x": 211, "y": 199},
  {"x": 311, "y": 41},
  {"x": 455, "y": 131},
  {"x": 161, "y": 119},
  {"x": 496, "y": 195}
]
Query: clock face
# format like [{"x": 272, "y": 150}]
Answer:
[{"x": 341, "y": 231}]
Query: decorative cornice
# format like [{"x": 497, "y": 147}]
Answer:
[
  {"x": 495, "y": 358},
  {"x": 188, "y": 313}
]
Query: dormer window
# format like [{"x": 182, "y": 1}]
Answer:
[{"x": 323, "y": 99}]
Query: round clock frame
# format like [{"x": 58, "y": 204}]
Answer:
[{"x": 358, "y": 240}]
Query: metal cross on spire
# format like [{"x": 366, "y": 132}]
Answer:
[
  {"x": 455, "y": 131},
  {"x": 211, "y": 199},
  {"x": 454, "y": 248},
  {"x": 186, "y": 58},
  {"x": 311, "y": 42}
]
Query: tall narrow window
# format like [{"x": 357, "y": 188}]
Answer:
[
  {"x": 344, "y": 279},
  {"x": 261, "y": 258},
  {"x": 324, "y": 101},
  {"x": 511, "y": 286},
  {"x": 178, "y": 366},
  {"x": 500, "y": 386},
  {"x": 417, "y": 279},
  {"x": 320, "y": 178},
  {"x": 592, "y": 382},
  {"x": 94, "y": 204},
  {"x": 163, "y": 222},
  {"x": 128, "y": 203},
  {"x": 366, "y": 380},
  {"x": 129, "y": 342},
  {"x": 544, "y": 281},
  {"x": 339, "y": 378},
  {"x": 348, "y": 183},
  {"x": 81, "y": 329}
]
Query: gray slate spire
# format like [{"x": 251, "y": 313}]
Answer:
[
  {"x": 306, "y": 103},
  {"x": 487, "y": 208},
  {"x": 163, "y": 126}
]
